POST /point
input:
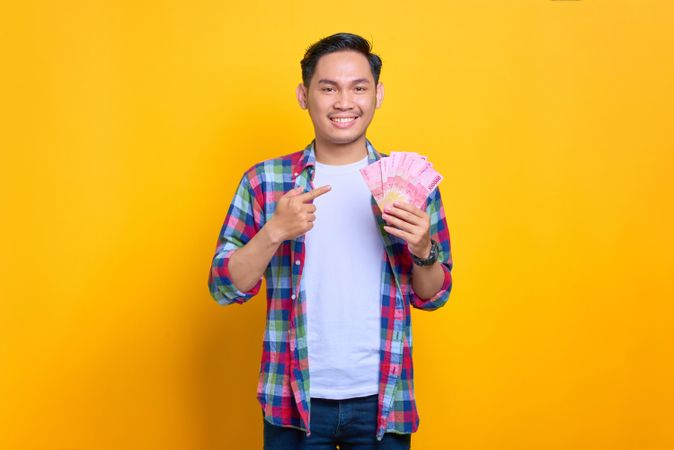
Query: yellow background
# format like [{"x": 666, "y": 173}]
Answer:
[{"x": 126, "y": 125}]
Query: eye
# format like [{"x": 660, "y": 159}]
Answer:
[
  {"x": 326, "y": 89},
  {"x": 361, "y": 88}
]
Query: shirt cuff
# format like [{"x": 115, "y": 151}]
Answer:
[
  {"x": 444, "y": 290},
  {"x": 232, "y": 292}
]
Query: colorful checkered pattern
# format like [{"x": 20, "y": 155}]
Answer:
[{"x": 283, "y": 386}]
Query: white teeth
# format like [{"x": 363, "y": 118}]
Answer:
[{"x": 343, "y": 119}]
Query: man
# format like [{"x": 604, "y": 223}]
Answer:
[{"x": 341, "y": 275}]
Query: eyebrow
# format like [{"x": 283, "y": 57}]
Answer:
[{"x": 356, "y": 81}]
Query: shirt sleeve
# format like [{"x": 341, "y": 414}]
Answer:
[
  {"x": 440, "y": 234},
  {"x": 241, "y": 224}
]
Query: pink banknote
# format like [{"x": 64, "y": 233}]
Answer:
[{"x": 402, "y": 176}]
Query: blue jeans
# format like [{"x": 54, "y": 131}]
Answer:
[{"x": 350, "y": 423}]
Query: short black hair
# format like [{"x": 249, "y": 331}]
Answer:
[{"x": 335, "y": 43}]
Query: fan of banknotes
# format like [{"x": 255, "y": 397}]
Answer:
[{"x": 402, "y": 176}]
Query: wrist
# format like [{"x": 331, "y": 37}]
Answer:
[
  {"x": 428, "y": 258},
  {"x": 272, "y": 234},
  {"x": 425, "y": 252}
]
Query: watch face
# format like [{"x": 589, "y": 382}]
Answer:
[{"x": 434, "y": 251}]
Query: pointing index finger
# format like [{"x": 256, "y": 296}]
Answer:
[{"x": 312, "y": 194}]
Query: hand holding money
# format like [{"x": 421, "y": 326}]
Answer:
[
  {"x": 400, "y": 184},
  {"x": 411, "y": 224},
  {"x": 294, "y": 214}
]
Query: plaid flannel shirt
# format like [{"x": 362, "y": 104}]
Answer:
[{"x": 283, "y": 385}]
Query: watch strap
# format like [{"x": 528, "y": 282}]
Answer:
[{"x": 432, "y": 258}]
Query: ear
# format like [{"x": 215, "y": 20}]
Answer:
[
  {"x": 301, "y": 92},
  {"x": 380, "y": 94}
]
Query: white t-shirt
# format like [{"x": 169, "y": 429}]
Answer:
[{"x": 342, "y": 282}]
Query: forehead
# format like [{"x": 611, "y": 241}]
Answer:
[{"x": 343, "y": 66}]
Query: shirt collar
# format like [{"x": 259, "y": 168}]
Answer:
[{"x": 308, "y": 157}]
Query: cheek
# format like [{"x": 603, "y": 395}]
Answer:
[
  {"x": 316, "y": 111},
  {"x": 368, "y": 104},
  {"x": 319, "y": 109}
]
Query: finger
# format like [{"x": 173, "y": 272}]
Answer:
[
  {"x": 312, "y": 194},
  {"x": 398, "y": 223},
  {"x": 409, "y": 208},
  {"x": 399, "y": 233},
  {"x": 404, "y": 215}
]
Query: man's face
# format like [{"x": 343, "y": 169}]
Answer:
[{"x": 341, "y": 97}]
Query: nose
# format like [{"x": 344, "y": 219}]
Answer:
[{"x": 344, "y": 100}]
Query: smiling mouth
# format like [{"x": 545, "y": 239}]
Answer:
[
  {"x": 343, "y": 122},
  {"x": 343, "y": 119}
]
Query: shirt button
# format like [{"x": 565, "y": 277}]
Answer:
[
  {"x": 293, "y": 296},
  {"x": 295, "y": 174},
  {"x": 297, "y": 262}
]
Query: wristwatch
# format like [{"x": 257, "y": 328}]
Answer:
[{"x": 431, "y": 258}]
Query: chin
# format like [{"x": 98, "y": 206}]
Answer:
[
  {"x": 344, "y": 139},
  {"x": 344, "y": 135}
]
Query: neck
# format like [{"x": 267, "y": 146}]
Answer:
[{"x": 337, "y": 154}]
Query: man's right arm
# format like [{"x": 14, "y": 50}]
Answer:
[
  {"x": 242, "y": 251},
  {"x": 247, "y": 264}
]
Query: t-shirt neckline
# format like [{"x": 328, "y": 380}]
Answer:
[{"x": 342, "y": 168}]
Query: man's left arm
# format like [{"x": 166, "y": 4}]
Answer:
[{"x": 432, "y": 284}]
